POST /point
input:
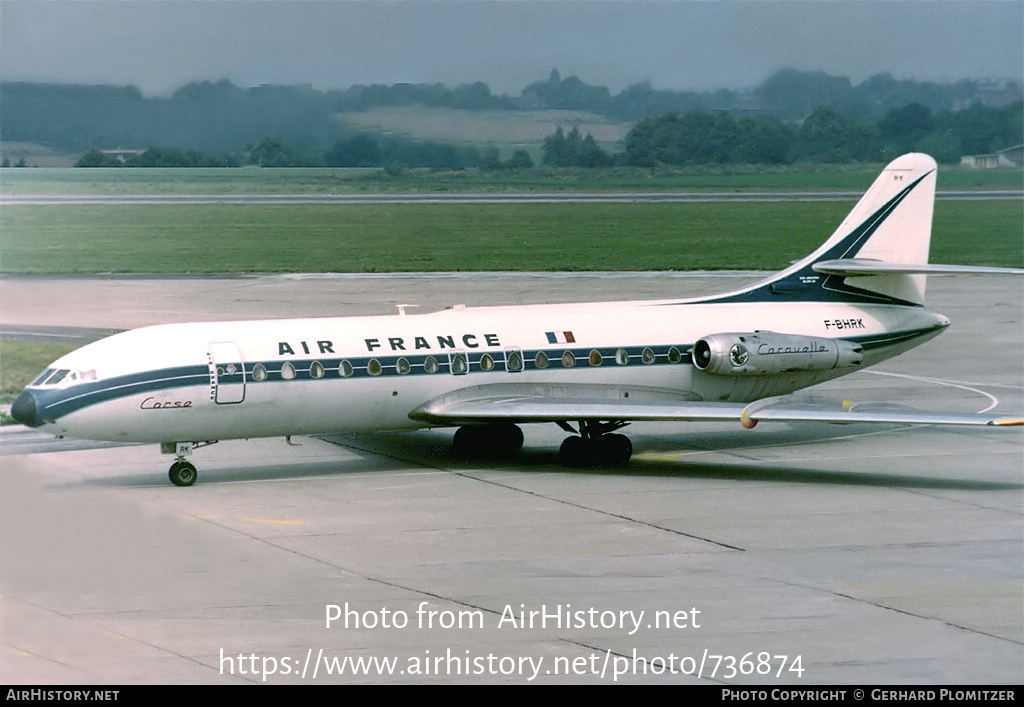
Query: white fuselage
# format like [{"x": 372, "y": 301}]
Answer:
[{"x": 228, "y": 380}]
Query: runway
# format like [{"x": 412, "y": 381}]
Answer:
[
  {"x": 775, "y": 556},
  {"x": 479, "y": 198}
]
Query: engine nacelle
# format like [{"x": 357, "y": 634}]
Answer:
[{"x": 766, "y": 352}]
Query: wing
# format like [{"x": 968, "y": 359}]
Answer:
[{"x": 562, "y": 403}]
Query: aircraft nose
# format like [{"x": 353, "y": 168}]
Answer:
[{"x": 25, "y": 410}]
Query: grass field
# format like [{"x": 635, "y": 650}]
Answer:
[
  {"x": 229, "y": 238},
  {"x": 17, "y": 182}
]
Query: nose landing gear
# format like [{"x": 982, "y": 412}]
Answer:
[{"x": 182, "y": 472}]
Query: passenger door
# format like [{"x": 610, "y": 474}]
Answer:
[{"x": 227, "y": 373}]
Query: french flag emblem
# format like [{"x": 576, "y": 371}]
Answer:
[{"x": 561, "y": 337}]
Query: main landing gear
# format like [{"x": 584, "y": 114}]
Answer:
[
  {"x": 499, "y": 440},
  {"x": 182, "y": 472},
  {"x": 593, "y": 445}
]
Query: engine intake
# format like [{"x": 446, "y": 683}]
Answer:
[{"x": 765, "y": 352}]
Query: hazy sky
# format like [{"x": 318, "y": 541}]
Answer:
[{"x": 159, "y": 45}]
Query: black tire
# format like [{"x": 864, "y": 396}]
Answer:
[
  {"x": 507, "y": 439},
  {"x": 468, "y": 442},
  {"x": 182, "y": 474},
  {"x": 487, "y": 441},
  {"x": 614, "y": 449},
  {"x": 578, "y": 452}
]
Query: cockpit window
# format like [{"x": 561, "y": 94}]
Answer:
[
  {"x": 57, "y": 377},
  {"x": 53, "y": 376},
  {"x": 43, "y": 376}
]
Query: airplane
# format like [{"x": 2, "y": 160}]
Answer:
[{"x": 591, "y": 368}]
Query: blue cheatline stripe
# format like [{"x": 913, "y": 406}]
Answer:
[
  {"x": 877, "y": 341},
  {"x": 54, "y": 404}
]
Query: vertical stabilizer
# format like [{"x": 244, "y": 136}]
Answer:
[
  {"x": 890, "y": 227},
  {"x": 892, "y": 223}
]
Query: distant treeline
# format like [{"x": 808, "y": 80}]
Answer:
[
  {"x": 221, "y": 118},
  {"x": 671, "y": 140},
  {"x": 826, "y": 135}
]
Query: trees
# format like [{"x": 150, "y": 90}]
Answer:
[
  {"x": 828, "y": 136},
  {"x": 707, "y": 138},
  {"x": 491, "y": 160},
  {"x": 274, "y": 152},
  {"x": 358, "y": 151},
  {"x": 904, "y": 128},
  {"x": 573, "y": 150}
]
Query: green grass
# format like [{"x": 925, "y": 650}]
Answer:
[
  {"x": 21, "y": 361},
  {"x": 347, "y": 181},
  {"x": 221, "y": 238}
]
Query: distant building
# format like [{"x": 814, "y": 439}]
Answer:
[
  {"x": 993, "y": 94},
  {"x": 1010, "y": 157},
  {"x": 122, "y": 155}
]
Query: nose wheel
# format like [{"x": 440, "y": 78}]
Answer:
[{"x": 183, "y": 473}]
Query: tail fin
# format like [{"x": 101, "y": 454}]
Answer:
[
  {"x": 878, "y": 251},
  {"x": 891, "y": 225}
]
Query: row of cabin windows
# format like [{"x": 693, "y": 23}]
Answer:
[{"x": 460, "y": 363}]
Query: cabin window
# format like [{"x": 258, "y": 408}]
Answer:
[
  {"x": 259, "y": 372},
  {"x": 287, "y": 371},
  {"x": 316, "y": 370},
  {"x": 402, "y": 366},
  {"x": 345, "y": 369},
  {"x": 674, "y": 356},
  {"x": 486, "y": 362},
  {"x": 621, "y": 357},
  {"x": 540, "y": 360},
  {"x": 513, "y": 361},
  {"x": 430, "y": 365},
  {"x": 568, "y": 360},
  {"x": 459, "y": 364},
  {"x": 595, "y": 358},
  {"x": 647, "y": 356},
  {"x": 373, "y": 367}
]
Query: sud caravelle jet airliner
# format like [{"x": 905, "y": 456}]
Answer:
[{"x": 591, "y": 368}]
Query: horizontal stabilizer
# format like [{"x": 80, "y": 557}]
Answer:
[{"x": 857, "y": 267}]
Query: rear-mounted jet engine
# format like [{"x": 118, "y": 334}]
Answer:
[{"x": 765, "y": 352}]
